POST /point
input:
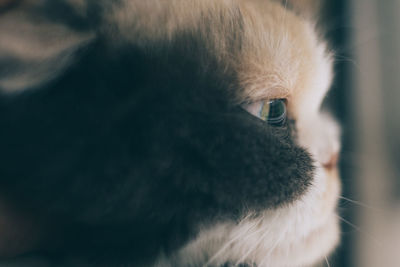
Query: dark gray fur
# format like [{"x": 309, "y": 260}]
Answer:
[{"x": 132, "y": 148}]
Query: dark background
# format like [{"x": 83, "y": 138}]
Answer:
[
  {"x": 335, "y": 23},
  {"x": 365, "y": 35}
]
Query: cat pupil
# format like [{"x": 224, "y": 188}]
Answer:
[{"x": 273, "y": 112}]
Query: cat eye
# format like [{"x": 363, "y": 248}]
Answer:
[{"x": 272, "y": 111}]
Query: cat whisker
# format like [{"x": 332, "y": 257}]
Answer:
[
  {"x": 220, "y": 251},
  {"x": 366, "y": 40},
  {"x": 283, "y": 234},
  {"x": 358, "y": 229},
  {"x": 360, "y": 204},
  {"x": 234, "y": 239},
  {"x": 327, "y": 262},
  {"x": 341, "y": 58},
  {"x": 254, "y": 247}
]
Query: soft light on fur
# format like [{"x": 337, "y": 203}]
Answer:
[
  {"x": 261, "y": 50},
  {"x": 41, "y": 49},
  {"x": 280, "y": 57}
]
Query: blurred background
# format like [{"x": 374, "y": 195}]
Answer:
[{"x": 366, "y": 37}]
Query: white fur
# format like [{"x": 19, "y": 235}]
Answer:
[
  {"x": 295, "y": 235},
  {"x": 320, "y": 134}
]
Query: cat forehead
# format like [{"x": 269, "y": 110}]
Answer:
[
  {"x": 273, "y": 52},
  {"x": 282, "y": 57}
]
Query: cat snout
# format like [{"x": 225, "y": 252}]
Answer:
[{"x": 332, "y": 161}]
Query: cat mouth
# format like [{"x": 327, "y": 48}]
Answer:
[{"x": 332, "y": 164}]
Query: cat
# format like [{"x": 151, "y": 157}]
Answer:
[{"x": 167, "y": 133}]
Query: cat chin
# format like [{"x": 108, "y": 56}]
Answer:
[
  {"x": 299, "y": 234},
  {"x": 321, "y": 230},
  {"x": 310, "y": 250}
]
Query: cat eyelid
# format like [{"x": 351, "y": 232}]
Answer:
[
  {"x": 254, "y": 107},
  {"x": 264, "y": 100},
  {"x": 273, "y": 94}
]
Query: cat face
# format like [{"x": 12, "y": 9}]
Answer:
[
  {"x": 282, "y": 59},
  {"x": 195, "y": 126}
]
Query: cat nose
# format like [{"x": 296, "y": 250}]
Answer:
[{"x": 332, "y": 162}]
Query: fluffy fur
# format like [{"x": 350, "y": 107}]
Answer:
[{"x": 124, "y": 121}]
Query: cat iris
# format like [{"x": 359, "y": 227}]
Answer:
[{"x": 273, "y": 112}]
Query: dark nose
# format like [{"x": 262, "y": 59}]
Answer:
[{"x": 333, "y": 161}]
